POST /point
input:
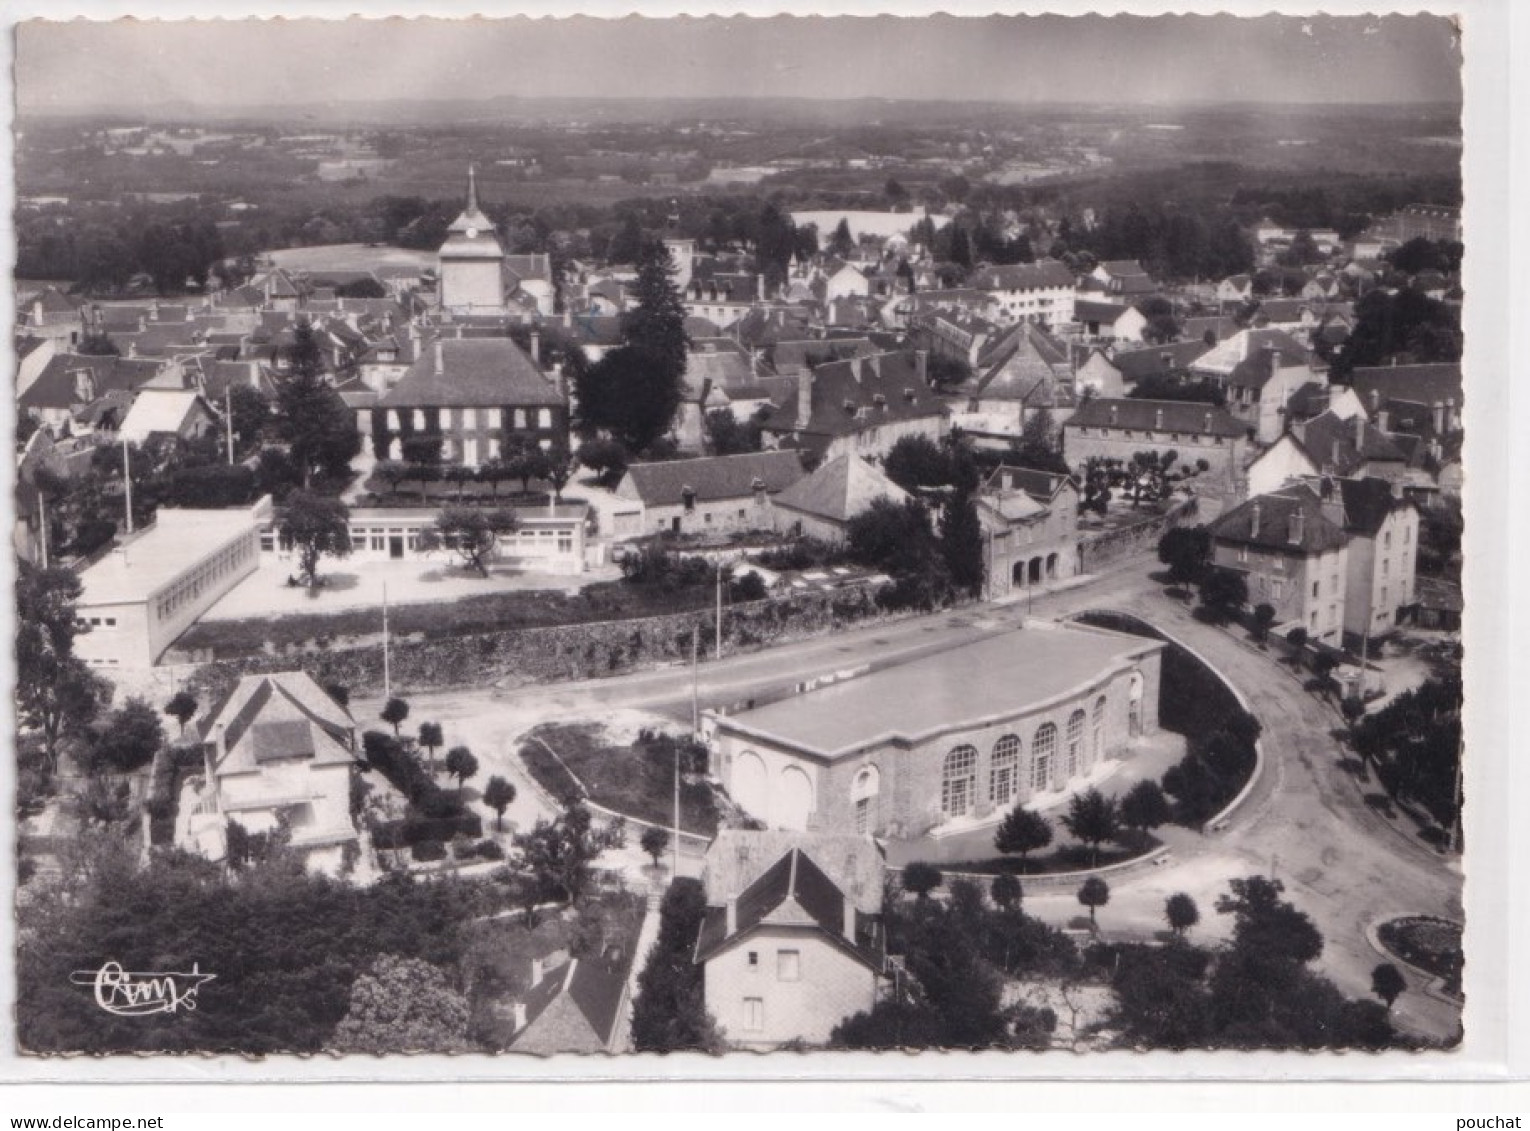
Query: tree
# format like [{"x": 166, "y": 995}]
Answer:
[
  {"x": 921, "y": 879},
  {"x": 1094, "y": 893},
  {"x": 654, "y": 841},
  {"x": 606, "y": 458},
  {"x": 472, "y": 534},
  {"x": 318, "y": 427},
  {"x": 1093, "y": 819},
  {"x": 316, "y": 525},
  {"x": 524, "y": 459},
  {"x": 56, "y": 692},
  {"x": 394, "y": 711},
  {"x": 1022, "y": 831},
  {"x": 1222, "y": 592},
  {"x": 1264, "y": 617},
  {"x": 1037, "y": 447},
  {"x": 728, "y": 436},
  {"x": 1181, "y": 913},
  {"x": 917, "y": 461},
  {"x": 495, "y": 472},
  {"x": 1297, "y": 638},
  {"x": 403, "y": 1005},
  {"x": 430, "y": 737},
  {"x": 842, "y": 243},
  {"x": 961, "y": 541},
  {"x": 669, "y": 1011},
  {"x": 459, "y": 476},
  {"x": 97, "y": 345},
  {"x": 1267, "y": 927},
  {"x": 1387, "y": 983},
  {"x": 1144, "y": 806},
  {"x": 634, "y": 391},
  {"x": 1353, "y": 708},
  {"x": 1006, "y": 891},
  {"x": 499, "y": 795},
  {"x": 1186, "y": 550},
  {"x": 461, "y": 764},
  {"x": 560, "y": 853},
  {"x": 558, "y": 468},
  {"x": 182, "y": 707},
  {"x": 250, "y": 413},
  {"x": 131, "y": 736},
  {"x": 946, "y": 372}
]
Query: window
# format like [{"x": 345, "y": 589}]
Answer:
[
  {"x": 957, "y": 783},
  {"x": 788, "y": 965},
  {"x": 863, "y": 816},
  {"x": 1278, "y": 589},
  {"x": 1075, "y": 742},
  {"x": 1001, "y": 776},
  {"x": 1243, "y": 553},
  {"x": 1099, "y": 729},
  {"x": 754, "y": 1013},
  {"x": 1315, "y": 588},
  {"x": 111, "y": 622},
  {"x": 544, "y": 418},
  {"x": 1386, "y": 567},
  {"x": 754, "y": 960},
  {"x": 1042, "y": 748},
  {"x": 1280, "y": 565}
]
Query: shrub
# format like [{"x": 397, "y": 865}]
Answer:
[
  {"x": 427, "y": 851},
  {"x": 411, "y": 831},
  {"x": 489, "y": 850}
]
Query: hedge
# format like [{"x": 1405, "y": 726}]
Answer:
[{"x": 407, "y": 832}]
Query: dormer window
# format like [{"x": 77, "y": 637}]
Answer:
[{"x": 688, "y": 498}]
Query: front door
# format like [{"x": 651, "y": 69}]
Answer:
[
  {"x": 674, "y": 524},
  {"x": 395, "y": 545}
]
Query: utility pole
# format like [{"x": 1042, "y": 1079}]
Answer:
[
  {"x": 127, "y": 483},
  {"x": 675, "y": 867},
  {"x": 42, "y": 520},
  {"x": 387, "y": 667},
  {"x": 695, "y": 690},
  {"x": 718, "y": 650},
  {"x": 228, "y": 420}
]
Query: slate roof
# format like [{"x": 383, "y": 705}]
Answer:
[
  {"x": 1107, "y": 312},
  {"x": 715, "y": 477},
  {"x": 793, "y": 890},
  {"x": 577, "y": 1006},
  {"x": 1045, "y": 273},
  {"x": 52, "y": 301},
  {"x": 1224, "y": 356},
  {"x": 1178, "y": 416},
  {"x": 1344, "y": 446},
  {"x": 1155, "y": 361},
  {"x": 865, "y": 392},
  {"x": 1043, "y": 486},
  {"x": 1423, "y": 385},
  {"x": 791, "y": 357},
  {"x": 1277, "y": 516},
  {"x": 242, "y": 706},
  {"x": 1368, "y": 502},
  {"x": 55, "y": 386},
  {"x": 1258, "y": 369},
  {"x": 840, "y": 490},
  {"x": 160, "y": 410},
  {"x": 481, "y": 372}
]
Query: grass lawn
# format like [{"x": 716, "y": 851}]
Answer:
[
  {"x": 489, "y": 612},
  {"x": 624, "y": 778}
]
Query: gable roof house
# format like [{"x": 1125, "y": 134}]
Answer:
[
  {"x": 277, "y": 751},
  {"x": 1124, "y": 280},
  {"x": 577, "y": 1005},
  {"x": 1259, "y": 387},
  {"x": 710, "y": 495},
  {"x": 181, "y": 413},
  {"x": 790, "y": 956},
  {"x": 1220, "y": 360},
  {"x": 822, "y": 504},
  {"x": 69, "y": 382},
  {"x": 1119, "y": 428},
  {"x": 1382, "y": 525},
  {"x": 863, "y": 405},
  {"x": 1351, "y": 448},
  {"x": 1042, "y": 292},
  {"x": 1021, "y": 372},
  {"x": 1030, "y": 519},
  {"x": 1108, "y": 321}
]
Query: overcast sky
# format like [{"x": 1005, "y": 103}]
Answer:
[{"x": 129, "y": 64}]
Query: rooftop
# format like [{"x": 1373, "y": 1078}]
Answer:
[
  {"x": 994, "y": 678},
  {"x": 144, "y": 564}
]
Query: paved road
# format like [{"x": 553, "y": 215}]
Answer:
[{"x": 1307, "y": 822}]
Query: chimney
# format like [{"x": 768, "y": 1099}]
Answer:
[
  {"x": 856, "y": 364},
  {"x": 1112, "y": 416},
  {"x": 731, "y": 927},
  {"x": 132, "y": 349},
  {"x": 759, "y": 287},
  {"x": 758, "y": 487},
  {"x": 922, "y": 366},
  {"x": 536, "y": 971},
  {"x": 536, "y": 347},
  {"x": 849, "y": 920},
  {"x": 1158, "y": 419},
  {"x": 568, "y": 320},
  {"x": 1359, "y": 433},
  {"x": 1382, "y": 419},
  {"x": 520, "y": 1016},
  {"x": 1439, "y": 418},
  {"x": 1294, "y": 535},
  {"x": 804, "y": 397},
  {"x": 1253, "y": 521},
  {"x": 876, "y": 365},
  {"x": 1338, "y": 454}
]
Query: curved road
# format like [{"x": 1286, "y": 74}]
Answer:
[{"x": 1306, "y": 823}]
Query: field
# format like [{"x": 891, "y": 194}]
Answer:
[{"x": 350, "y": 257}]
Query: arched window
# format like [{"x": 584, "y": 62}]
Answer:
[
  {"x": 1099, "y": 728},
  {"x": 1043, "y": 746},
  {"x": 863, "y": 799},
  {"x": 958, "y": 781},
  {"x": 1075, "y": 744},
  {"x": 1003, "y": 777}
]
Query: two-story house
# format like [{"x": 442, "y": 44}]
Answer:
[
  {"x": 1259, "y": 387},
  {"x": 1383, "y": 549},
  {"x": 1119, "y": 428},
  {"x": 1042, "y": 292},
  {"x": 1030, "y": 529}
]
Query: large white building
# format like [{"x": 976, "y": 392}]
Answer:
[
  {"x": 472, "y": 262},
  {"x": 141, "y": 596}
]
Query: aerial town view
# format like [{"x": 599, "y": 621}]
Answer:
[{"x": 891, "y": 536}]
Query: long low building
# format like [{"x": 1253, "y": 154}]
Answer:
[
  {"x": 139, "y": 597},
  {"x": 951, "y": 736}
]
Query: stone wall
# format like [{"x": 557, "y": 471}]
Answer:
[
  {"x": 546, "y": 655},
  {"x": 1097, "y": 551}
]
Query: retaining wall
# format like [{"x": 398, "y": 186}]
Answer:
[{"x": 1099, "y": 550}]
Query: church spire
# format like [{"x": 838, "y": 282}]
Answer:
[{"x": 472, "y": 194}]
